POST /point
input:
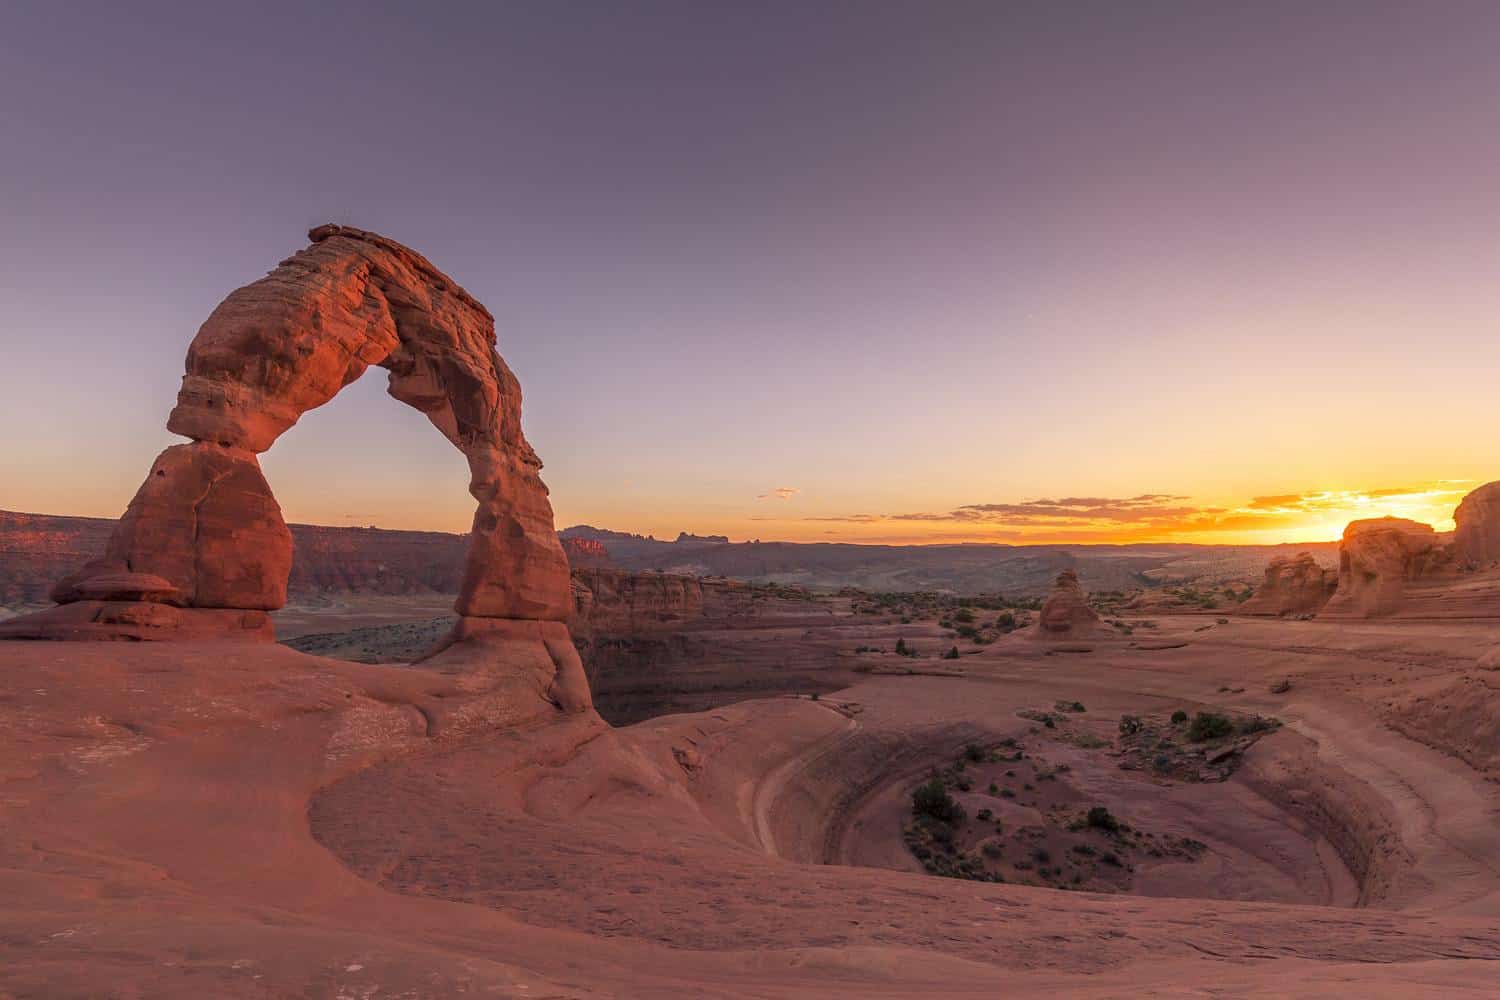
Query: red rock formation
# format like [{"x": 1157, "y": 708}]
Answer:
[
  {"x": 1066, "y": 609},
  {"x": 205, "y": 521},
  {"x": 1378, "y": 559},
  {"x": 1294, "y": 585},
  {"x": 616, "y": 601},
  {"x": 280, "y": 346},
  {"x": 1476, "y": 542}
]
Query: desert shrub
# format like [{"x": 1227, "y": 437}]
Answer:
[
  {"x": 984, "y": 814},
  {"x": 1260, "y": 724},
  {"x": 1006, "y": 793},
  {"x": 1209, "y": 726},
  {"x": 952, "y": 654},
  {"x": 1179, "y": 717},
  {"x": 963, "y": 615},
  {"x": 993, "y": 848},
  {"x": 994, "y": 788},
  {"x": 932, "y": 800},
  {"x": 1070, "y": 706},
  {"x": 1111, "y": 858},
  {"x": 1101, "y": 818},
  {"x": 1130, "y": 725},
  {"x": 974, "y": 753}
]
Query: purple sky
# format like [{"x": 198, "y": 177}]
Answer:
[{"x": 892, "y": 257}]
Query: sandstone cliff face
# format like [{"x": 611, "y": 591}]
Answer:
[
  {"x": 614, "y": 601},
  {"x": 1476, "y": 541},
  {"x": 1294, "y": 585},
  {"x": 1066, "y": 610},
  {"x": 1378, "y": 559},
  {"x": 36, "y": 550}
]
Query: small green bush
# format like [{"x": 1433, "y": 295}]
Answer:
[
  {"x": 1209, "y": 726},
  {"x": 1179, "y": 717},
  {"x": 931, "y": 800},
  {"x": 1100, "y": 818}
]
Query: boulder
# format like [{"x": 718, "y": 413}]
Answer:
[
  {"x": 1378, "y": 559},
  {"x": 1476, "y": 540},
  {"x": 1294, "y": 585}
]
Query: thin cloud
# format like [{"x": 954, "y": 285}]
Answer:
[
  {"x": 780, "y": 493},
  {"x": 1162, "y": 516}
]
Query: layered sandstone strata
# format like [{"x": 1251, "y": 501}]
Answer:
[{"x": 608, "y": 600}]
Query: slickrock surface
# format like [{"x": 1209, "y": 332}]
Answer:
[
  {"x": 230, "y": 819},
  {"x": 1294, "y": 585}
]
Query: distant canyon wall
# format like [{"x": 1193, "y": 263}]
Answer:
[{"x": 36, "y": 550}]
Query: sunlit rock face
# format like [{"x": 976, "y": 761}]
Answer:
[
  {"x": 1378, "y": 558},
  {"x": 1476, "y": 541},
  {"x": 1293, "y": 585}
]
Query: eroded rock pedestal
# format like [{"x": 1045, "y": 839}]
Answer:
[
  {"x": 202, "y": 549},
  {"x": 1066, "y": 612}
]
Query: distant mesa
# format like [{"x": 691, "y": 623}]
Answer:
[
  {"x": 683, "y": 538},
  {"x": 1066, "y": 612},
  {"x": 202, "y": 549},
  {"x": 1294, "y": 585}
]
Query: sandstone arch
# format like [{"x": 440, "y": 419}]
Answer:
[{"x": 203, "y": 548}]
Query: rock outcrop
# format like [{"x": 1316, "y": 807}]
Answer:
[
  {"x": 1066, "y": 610},
  {"x": 1378, "y": 559},
  {"x": 204, "y": 525},
  {"x": 1294, "y": 585},
  {"x": 615, "y": 601},
  {"x": 1476, "y": 540}
]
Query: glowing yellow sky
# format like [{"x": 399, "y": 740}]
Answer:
[{"x": 1312, "y": 516}]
